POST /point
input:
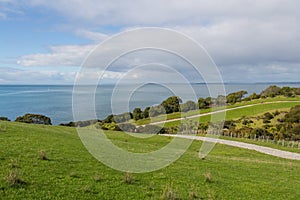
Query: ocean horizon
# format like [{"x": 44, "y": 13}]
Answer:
[{"x": 55, "y": 101}]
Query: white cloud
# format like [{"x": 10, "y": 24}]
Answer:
[
  {"x": 247, "y": 41},
  {"x": 158, "y": 12},
  {"x": 248, "y": 36},
  {"x": 272, "y": 72},
  {"x": 233, "y": 31},
  {"x": 10, "y": 75},
  {"x": 94, "y": 36},
  {"x": 66, "y": 55}
]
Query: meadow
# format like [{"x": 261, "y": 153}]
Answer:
[{"x": 50, "y": 162}]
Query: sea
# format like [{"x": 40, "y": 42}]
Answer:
[{"x": 55, "y": 101}]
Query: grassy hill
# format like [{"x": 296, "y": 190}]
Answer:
[
  {"x": 260, "y": 106},
  {"x": 49, "y": 162},
  {"x": 254, "y": 110}
]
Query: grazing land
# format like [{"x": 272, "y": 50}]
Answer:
[{"x": 50, "y": 162}]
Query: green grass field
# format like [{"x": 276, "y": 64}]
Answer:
[
  {"x": 248, "y": 111},
  {"x": 70, "y": 172},
  {"x": 196, "y": 112}
]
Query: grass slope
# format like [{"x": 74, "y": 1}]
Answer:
[
  {"x": 72, "y": 173},
  {"x": 247, "y": 111},
  {"x": 196, "y": 112}
]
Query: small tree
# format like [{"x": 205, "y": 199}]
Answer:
[
  {"x": 137, "y": 114},
  {"x": 171, "y": 104},
  {"x": 145, "y": 113},
  {"x": 189, "y": 105}
]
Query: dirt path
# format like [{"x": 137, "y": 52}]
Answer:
[{"x": 261, "y": 149}]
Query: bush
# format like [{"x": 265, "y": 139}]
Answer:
[
  {"x": 14, "y": 179},
  {"x": 260, "y": 132},
  {"x": 4, "y": 119},
  {"x": 70, "y": 124},
  {"x": 293, "y": 116},
  {"x": 128, "y": 178},
  {"x": 151, "y": 129},
  {"x": 168, "y": 193},
  {"x": 208, "y": 177},
  {"x": 268, "y": 116},
  {"x": 189, "y": 105},
  {"x": 34, "y": 119},
  {"x": 266, "y": 121},
  {"x": 127, "y": 127},
  {"x": 43, "y": 155}
]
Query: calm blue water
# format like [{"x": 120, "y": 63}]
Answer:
[{"x": 56, "y": 101}]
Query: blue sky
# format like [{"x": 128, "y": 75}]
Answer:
[{"x": 45, "y": 42}]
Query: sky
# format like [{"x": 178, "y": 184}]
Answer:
[{"x": 46, "y": 42}]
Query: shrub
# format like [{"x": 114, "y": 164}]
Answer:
[
  {"x": 34, "y": 119},
  {"x": 43, "y": 155},
  {"x": 97, "y": 178},
  {"x": 189, "y": 105},
  {"x": 168, "y": 193},
  {"x": 14, "y": 179},
  {"x": 208, "y": 177},
  {"x": 70, "y": 124},
  {"x": 4, "y": 119},
  {"x": 127, "y": 127},
  {"x": 266, "y": 121},
  {"x": 128, "y": 178},
  {"x": 293, "y": 116},
  {"x": 268, "y": 116},
  {"x": 84, "y": 123},
  {"x": 276, "y": 113},
  {"x": 151, "y": 129},
  {"x": 193, "y": 194},
  {"x": 13, "y": 164}
]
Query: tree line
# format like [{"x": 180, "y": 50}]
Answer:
[
  {"x": 174, "y": 104},
  {"x": 170, "y": 105}
]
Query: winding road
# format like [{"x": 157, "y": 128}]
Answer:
[
  {"x": 217, "y": 111},
  {"x": 261, "y": 149}
]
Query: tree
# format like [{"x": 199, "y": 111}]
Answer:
[
  {"x": 271, "y": 91},
  {"x": 137, "y": 114},
  {"x": 189, "y": 105},
  {"x": 109, "y": 119},
  {"x": 236, "y": 96},
  {"x": 123, "y": 117},
  {"x": 293, "y": 116},
  {"x": 156, "y": 110},
  {"x": 146, "y": 112},
  {"x": 254, "y": 96},
  {"x": 171, "y": 104},
  {"x": 204, "y": 103},
  {"x": 220, "y": 101},
  {"x": 34, "y": 119}
]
